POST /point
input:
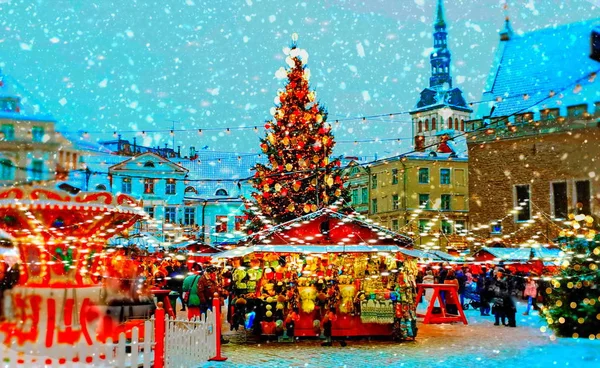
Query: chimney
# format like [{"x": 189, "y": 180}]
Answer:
[
  {"x": 192, "y": 151},
  {"x": 134, "y": 145},
  {"x": 179, "y": 151}
]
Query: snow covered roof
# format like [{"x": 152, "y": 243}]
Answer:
[
  {"x": 218, "y": 165},
  {"x": 529, "y": 66},
  {"x": 508, "y": 254},
  {"x": 27, "y": 108},
  {"x": 547, "y": 253},
  {"x": 102, "y": 162}
]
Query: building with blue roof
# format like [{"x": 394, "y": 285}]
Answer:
[{"x": 536, "y": 142}]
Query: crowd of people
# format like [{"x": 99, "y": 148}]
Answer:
[{"x": 494, "y": 290}]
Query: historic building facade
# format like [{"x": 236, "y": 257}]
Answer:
[{"x": 535, "y": 155}]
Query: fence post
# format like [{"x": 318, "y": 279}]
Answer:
[
  {"x": 217, "y": 313},
  {"x": 159, "y": 336}
]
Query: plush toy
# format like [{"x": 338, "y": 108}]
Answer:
[
  {"x": 357, "y": 300},
  {"x": 280, "y": 302},
  {"x": 317, "y": 327},
  {"x": 347, "y": 293},
  {"x": 307, "y": 298}
]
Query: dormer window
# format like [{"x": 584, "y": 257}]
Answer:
[
  {"x": 221, "y": 192},
  {"x": 149, "y": 164},
  {"x": 9, "y": 104}
]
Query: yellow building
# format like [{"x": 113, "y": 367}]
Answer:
[
  {"x": 30, "y": 148},
  {"x": 424, "y": 195}
]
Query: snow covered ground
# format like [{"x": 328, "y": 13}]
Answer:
[{"x": 480, "y": 344}]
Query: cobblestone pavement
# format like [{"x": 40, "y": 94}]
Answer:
[{"x": 480, "y": 344}]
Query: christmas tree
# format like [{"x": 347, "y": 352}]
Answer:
[
  {"x": 300, "y": 177},
  {"x": 572, "y": 305}
]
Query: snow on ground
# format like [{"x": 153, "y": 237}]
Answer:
[{"x": 480, "y": 344}]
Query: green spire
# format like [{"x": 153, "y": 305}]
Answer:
[{"x": 440, "y": 21}]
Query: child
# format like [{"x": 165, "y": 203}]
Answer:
[{"x": 327, "y": 323}]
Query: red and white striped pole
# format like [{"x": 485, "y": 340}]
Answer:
[{"x": 217, "y": 313}]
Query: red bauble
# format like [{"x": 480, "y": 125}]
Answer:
[
  {"x": 300, "y": 94},
  {"x": 301, "y": 144},
  {"x": 267, "y": 126},
  {"x": 284, "y": 192},
  {"x": 293, "y": 85},
  {"x": 280, "y": 168},
  {"x": 266, "y": 195}
]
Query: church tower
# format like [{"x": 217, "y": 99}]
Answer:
[{"x": 441, "y": 110}]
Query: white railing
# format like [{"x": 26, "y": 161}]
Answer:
[
  {"x": 190, "y": 343},
  {"x": 120, "y": 354}
]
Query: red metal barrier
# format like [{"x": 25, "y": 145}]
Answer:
[
  {"x": 159, "y": 336},
  {"x": 217, "y": 312},
  {"x": 444, "y": 316}
]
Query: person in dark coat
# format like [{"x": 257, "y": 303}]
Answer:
[
  {"x": 483, "y": 287},
  {"x": 462, "y": 280},
  {"x": 500, "y": 293}
]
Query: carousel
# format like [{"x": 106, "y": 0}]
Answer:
[
  {"x": 59, "y": 239},
  {"x": 287, "y": 278}
]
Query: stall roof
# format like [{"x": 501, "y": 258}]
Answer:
[
  {"x": 324, "y": 227},
  {"x": 507, "y": 254}
]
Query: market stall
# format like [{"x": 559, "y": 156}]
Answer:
[{"x": 287, "y": 278}]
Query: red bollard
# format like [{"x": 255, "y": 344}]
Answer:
[
  {"x": 217, "y": 311},
  {"x": 159, "y": 336}
]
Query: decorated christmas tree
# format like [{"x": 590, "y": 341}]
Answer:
[
  {"x": 300, "y": 176},
  {"x": 572, "y": 305}
]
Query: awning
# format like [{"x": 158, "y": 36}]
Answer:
[{"x": 309, "y": 249}]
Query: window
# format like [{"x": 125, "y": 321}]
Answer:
[
  {"x": 191, "y": 189},
  {"x": 37, "y": 134},
  {"x": 126, "y": 185},
  {"x": 423, "y": 175},
  {"x": 576, "y": 111},
  {"x": 9, "y": 104},
  {"x": 462, "y": 125},
  {"x": 8, "y": 130},
  {"x": 374, "y": 181},
  {"x": 170, "y": 186},
  {"x": 149, "y": 211},
  {"x": 7, "y": 171},
  {"x": 149, "y": 164},
  {"x": 221, "y": 224},
  {"x": 395, "y": 202},
  {"x": 560, "y": 202},
  {"x": 456, "y": 123},
  {"x": 420, "y": 126},
  {"x": 395, "y": 225},
  {"x": 394, "y": 176},
  {"x": 148, "y": 186},
  {"x": 426, "y": 124},
  {"x": 354, "y": 196},
  {"x": 522, "y": 201},
  {"x": 449, "y": 123},
  {"x": 171, "y": 215},
  {"x": 459, "y": 176},
  {"x": 364, "y": 195},
  {"x": 101, "y": 187},
  {"x": 424, "y": 200},
  {"x": 433, "y": 124},
  {"x": 374, "y": 205},
  {"x": 582, "y": 197},
  {"x": 445, "y": 176},
  {"x": 240, "y": 221},
  {"x": 458, "y": 202},
  {"x": 446, "y": 200},
  {"x": 447, "y": 227},
  {"x": 423, "y": 225},
  {"x": 550, "y": 114},
  {"x": 496, "y": 228},
  {"x": 37, "y": 168},
  {"x": 522, "y": 118},
  {"x": 460, "y": 225},
  {"x": 189, "y": 216},
  {"x": 221, "y": 192}
]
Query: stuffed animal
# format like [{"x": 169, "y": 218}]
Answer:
[
  {"x": 307, "y": 298},
  {"x": 347, "y": 292}
]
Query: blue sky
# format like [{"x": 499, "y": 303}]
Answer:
[{"x": 105, "y": 66}]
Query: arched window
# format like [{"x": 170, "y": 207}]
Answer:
[
  {"x": 149, "y": 164},
  {"x": 456, "y": 123},
  {"x": 7, "y": 171},
  {"x": 426, "y": 124},
  {"x": 420, "y": 126},
  {"x": 221, "y": 192},
  {"x": 446, "y": 69},
  {"x": 191, "y": 189},
  {"x": 101, "y": 187},
  {"x": 433, "y": 127},
  {"x": 450, "y": 123},
  {"x": 462, "y": 125}
]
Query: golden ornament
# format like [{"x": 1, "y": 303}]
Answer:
[
  {"x": 288, "y": 167},
  {"x": 306, "y": 208},
  {"x": 315, "y": 159},
  {"x": 589, "y": 219},
  {"x": 277, "y": 187},
  {"x": 338, "y": 192},
  {"x": 266, "y": 188},
  {"x": 319, "y": 118},
  {"x": 286, "y": 141},
  {"x": 296, "y": 186},
  {"x": 313, "y": 207},
  {"x": 271, "y": 138},
  {"x": 326, "y": 161},
  {"x": 329, "y": 181},
  {"x": 291, "y": 207}
]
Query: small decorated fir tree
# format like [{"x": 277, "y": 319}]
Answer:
[
  {"x": 572, "y": 304},
  {"x": 300, "y": 176}
]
